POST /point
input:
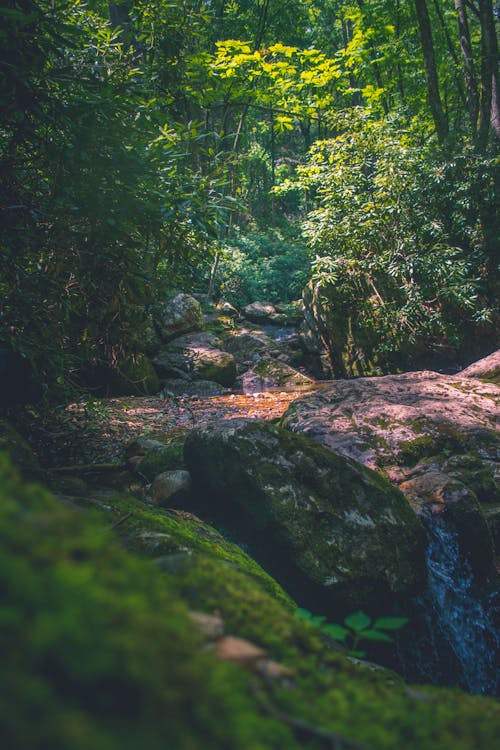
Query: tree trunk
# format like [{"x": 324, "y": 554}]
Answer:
[
  {"x": 435, "y": 103},
  {"x": 468, "y": 63},
  {"x": 489, "y": 100}
]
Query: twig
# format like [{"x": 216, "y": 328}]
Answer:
[
  {"x": 84, "y": 468},
  {"x": 120, "y": 521}
]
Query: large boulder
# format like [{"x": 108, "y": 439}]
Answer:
[
  {"x": 333, "y": 532},
  {"x": 487, "y": 368},
  {"x": 180, "y": 315},
  {"x": 433, "y": 435},
  {"x": 196, "y": 357},
  {"x": 259, "y": 312},
  {"x": 135, "y": 376},
  {"x": 272, "y": 373}
]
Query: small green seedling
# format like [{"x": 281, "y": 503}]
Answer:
[{"x": 357, "y": 627}]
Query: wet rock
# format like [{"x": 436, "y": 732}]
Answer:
[
  {"x": 182, "y": 314},
  {"x": 271, "y": 373},
  {"x": 324, "y": 525}
]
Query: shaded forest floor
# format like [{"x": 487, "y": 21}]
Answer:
[{"x": 97, "y": 431}]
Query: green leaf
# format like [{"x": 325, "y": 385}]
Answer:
[
  {"x": 390, "y": 623},
  {"x": 358, "y": 654},
  {"x": 376, "y": 635},
  {"x": 318, "y": 619},
  {"x": 357, "y": 621},
  {"x": 337, "y": 632},
  {"x": 302, "y": 614}
]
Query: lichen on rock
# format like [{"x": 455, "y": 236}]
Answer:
[{"x": 326, "y": 526}]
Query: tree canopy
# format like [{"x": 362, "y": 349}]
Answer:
[{"x": 354, "y": 143}]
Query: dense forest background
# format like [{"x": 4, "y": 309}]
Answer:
[{"x": 247, "y": 149}]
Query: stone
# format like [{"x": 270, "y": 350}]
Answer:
[
  {"x": 149, "y": 457},
  {"x": 226, "y": 308},
  {"x": 180, "y": 315},
  {"x": 271, "y": 373},
  {"x": 247, "y": 346},
  {"x": 330, "y": 530},
  {"x": 196, "y": 358},
  {"x": 259, "y": 312},
  {"x": 239, "y": 650},
  {"x": 210, "y": 626},
  {"x": 487, "y": 368},
  {"x": 396, "y": 420},
  {"x": 171, "y": 486},
  {"x": 201, "y": 388},
  {"x": 434, "y": 436},
  {"x": 135, "y": 376}
]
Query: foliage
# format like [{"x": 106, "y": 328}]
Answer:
[
  {"x": 395, "y": 232},
  {"x": 98, "y": 650},
  {"x": 267, "y": 266},
  {"x": 357, "y": 627}
]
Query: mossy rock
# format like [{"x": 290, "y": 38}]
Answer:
[
  {"x": 135, "y": 376},
  {"x": 100, "y": 653},
  {"x": 157, "y": 533},
  {"x": 18, "y": 450},
  {"x": 272, "y": 373},
  {"x": 159, "y": 459},
  {"x": 326, "y": 527}
]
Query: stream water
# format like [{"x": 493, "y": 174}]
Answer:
[{"x": 454, "y": 635}]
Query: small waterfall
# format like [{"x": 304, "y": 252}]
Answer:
[
  {"x": 453, "y": 636},
  {"x": 462, "y": 617}
]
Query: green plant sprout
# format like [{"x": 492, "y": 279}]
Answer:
[{"x": 357, "y": 627}]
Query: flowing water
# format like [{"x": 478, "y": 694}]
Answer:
[{"x": 454, "y": 634}]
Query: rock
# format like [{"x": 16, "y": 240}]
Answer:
[
  {"x": 487, "y": 368},
  {"x": 135, "y": 376},
  {"x": 247, "y": 346},
  {"x": 326, "y": 527},
  {"x": 180, "y": 315},
  {"x": 226, "y": 308},
  {"x": 198, "y": 358},
  {"x": 202, "y": 388},
  {"x": 142, "y": 445},
  {"x": 396, "y": 420},
  {"x": 259, "y": 312},
  {"x": 271, "y": 373},
  {"x": 434, "y": 436},
  {"x": 158, "y": 457},
  {"x": 240, "y": 651},
  {"x": 18, "y": 450},
  {"x": 210, "y": 626},
  {"x": 171, "y": 486}
]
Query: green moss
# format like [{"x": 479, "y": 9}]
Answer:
[
  {"x": 99, "y": 653},
  {"x": 411, "y": 451},
  {"x": 156, "y": 532},
  {"x": 162, "y": 459},
  {"x": 137, "y": 376}
]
